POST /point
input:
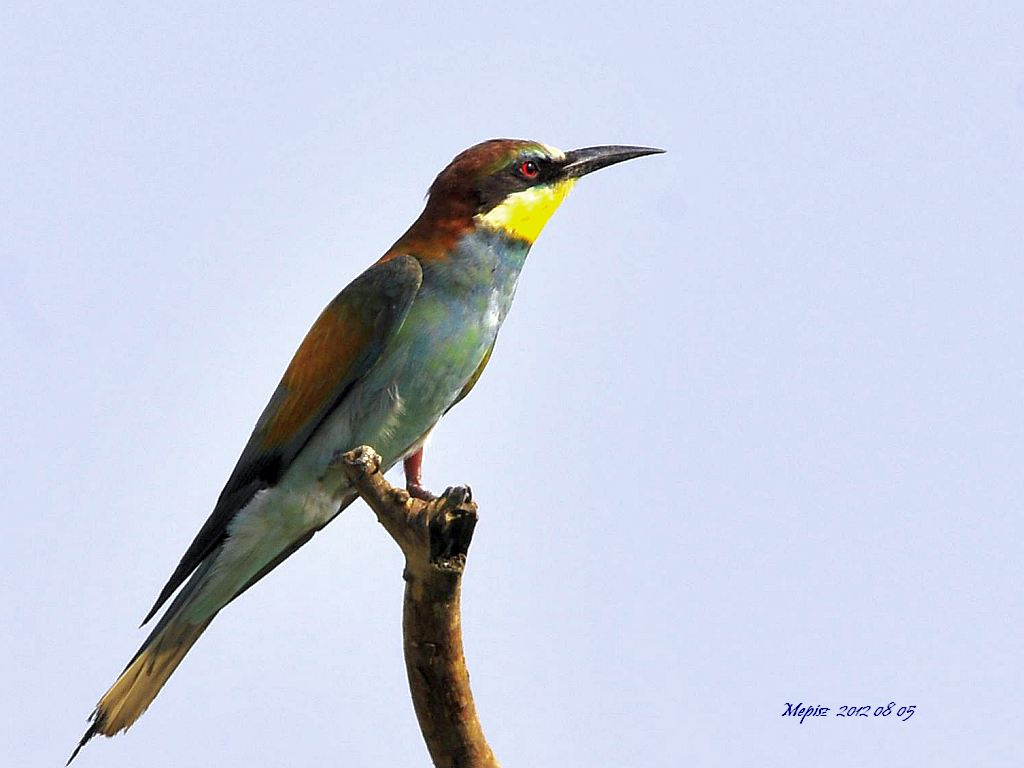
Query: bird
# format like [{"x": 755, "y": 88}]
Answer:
[{"x": 387, "y": 358}]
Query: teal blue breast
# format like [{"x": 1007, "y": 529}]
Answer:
[{"x": 450, "y": 327}]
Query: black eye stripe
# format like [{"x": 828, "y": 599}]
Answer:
[{"x": 491, "y": 190}]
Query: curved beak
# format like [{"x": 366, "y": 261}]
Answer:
[{"x": 580, "y": 162}]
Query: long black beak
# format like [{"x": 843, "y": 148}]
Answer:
[{"x": 580, "y": 162}]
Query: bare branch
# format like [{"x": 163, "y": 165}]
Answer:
[{"x": 435, "y": 538}]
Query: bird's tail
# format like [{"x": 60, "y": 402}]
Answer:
[{"x": 147, "y": 672}]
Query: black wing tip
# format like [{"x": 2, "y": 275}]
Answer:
[
  {"x": 173, "y": 583},
  {"x": 150, "y": 615}
]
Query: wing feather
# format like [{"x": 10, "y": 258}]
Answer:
[{"x": 341, "y": 347}]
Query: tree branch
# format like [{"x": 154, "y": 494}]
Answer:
[{"x": 435, "y": 537}]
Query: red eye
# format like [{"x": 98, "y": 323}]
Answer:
[{"x": 529, "y": 169}]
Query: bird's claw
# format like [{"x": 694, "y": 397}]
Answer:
[
  {"x": 417, "y": 491},
  {"x": 453, "y": 496}
]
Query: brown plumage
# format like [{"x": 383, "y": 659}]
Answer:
[{"x": 457, "y": 195}]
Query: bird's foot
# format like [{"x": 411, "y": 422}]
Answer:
[{"x": 417, "y": 491}]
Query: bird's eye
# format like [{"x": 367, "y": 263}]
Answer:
[{"x": 528, "y": 169}]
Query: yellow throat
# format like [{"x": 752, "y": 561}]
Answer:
[{"x": 524, "y": 214}]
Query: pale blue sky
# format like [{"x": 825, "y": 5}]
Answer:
[{"x": 752, "y": 433}]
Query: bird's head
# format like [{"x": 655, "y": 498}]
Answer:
[{"x": 510, "y": 186}]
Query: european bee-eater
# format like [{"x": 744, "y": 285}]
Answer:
[{"x": 387, "y": 358}]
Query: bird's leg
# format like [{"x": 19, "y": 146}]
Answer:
[{"x": 413, "y": 467}]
